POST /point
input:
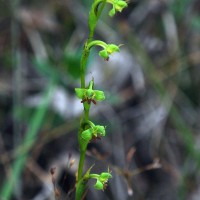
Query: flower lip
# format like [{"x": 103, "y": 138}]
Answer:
[{"x": 99, "y": 185}]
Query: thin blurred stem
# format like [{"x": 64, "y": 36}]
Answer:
[
  {"x": 175, "y": 116},
  {"x": 34, "y": 126}
]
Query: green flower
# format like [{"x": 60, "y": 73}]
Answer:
[
  {"x": 108, "y": 50},
  {"x": 104, "y": 176},
  {"x": 102, "y": 180},
  {"x": 96, "y": 131},
  {"x": 89, "y": 95},
  {"x": 118, "y": 6},
  {"x": 99, "y": 130}
]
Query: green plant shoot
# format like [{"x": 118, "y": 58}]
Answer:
[{"x": 88, "y": 95}]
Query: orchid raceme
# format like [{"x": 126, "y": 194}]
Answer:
[
  {"x": 89, "y": 95},
  {"x": 88, "y": 130}
]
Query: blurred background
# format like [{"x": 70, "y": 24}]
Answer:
[{"x": 152, "y": 107}]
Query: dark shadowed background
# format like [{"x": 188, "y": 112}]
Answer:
[{"x": 151, "y": 111}]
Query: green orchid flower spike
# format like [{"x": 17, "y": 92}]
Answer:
[
  {"x": 89, "y": 131},
  {"x": 89, "y": 95},
  {"x": 108, "y": 49}
]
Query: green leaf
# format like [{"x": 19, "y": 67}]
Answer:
[
  {"x": 71, "y": 62},
  {"x": 87, "y": 174},
  {"x": 46, "y": 68}
]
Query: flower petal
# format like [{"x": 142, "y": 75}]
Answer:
[
  {"x": 103, "y": 54},
  {"x": 99, "y": 95},
  {"x": 87, "y": 134},
  {"x": 112, "y": 12},
  {"x": 80, "y": 93},
  {"x": 120, "y": 5},
  {"x": 111, "y": 48},
  {"x": 104, "y": 176},
  {"x": 98, "y": 185},
  {"x": 100, "y": 130}
]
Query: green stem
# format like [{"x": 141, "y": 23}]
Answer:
[
  {"x": 97, "y": 43},
  {"x": 80, "y": 189},
  {"x": 81, "y": 164},
  {"x": 86, "y": 52},
  {"x": 95, "y": 176},
  {"x": 84, "y": 59},
  {"x": 80, "y": 186},
  {"x": 86, "y": 112}
]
